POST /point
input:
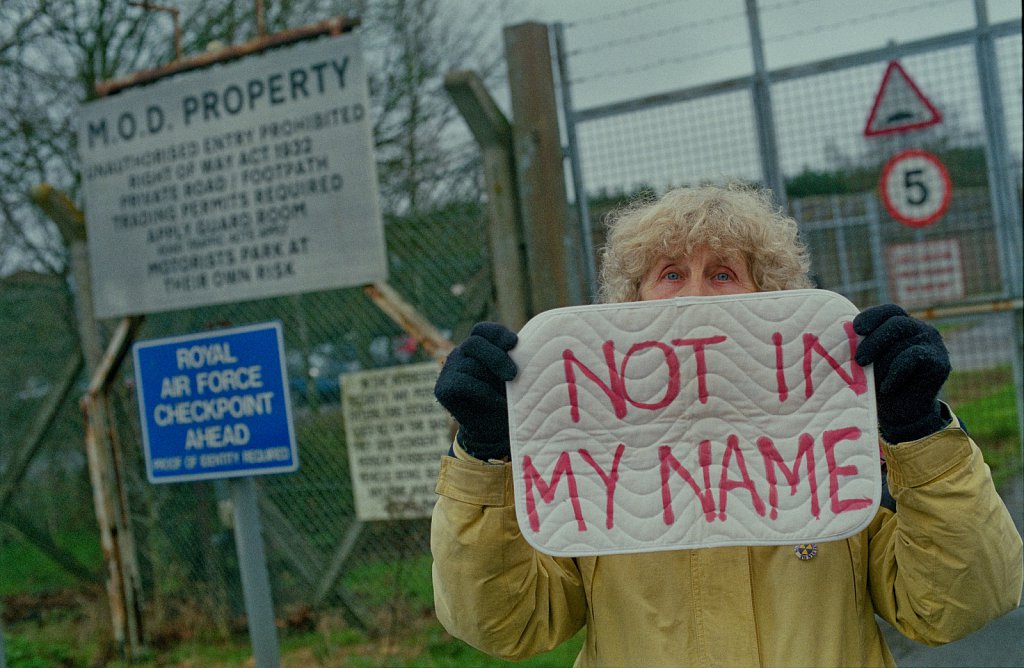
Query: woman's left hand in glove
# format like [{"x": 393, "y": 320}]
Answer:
[{"x": 910, "y": 364}]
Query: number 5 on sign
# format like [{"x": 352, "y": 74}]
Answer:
[{"x": 915, "y": 188}]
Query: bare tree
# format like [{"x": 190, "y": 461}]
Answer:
[
  {"x": 425, "y": 156},
  {"x": 53, "y": 52},
  {"x": 28, "y": 143}
]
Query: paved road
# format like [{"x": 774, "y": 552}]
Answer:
[
  {"x": 987, "y": 344},
  {"x": 1001, "y": 643}
]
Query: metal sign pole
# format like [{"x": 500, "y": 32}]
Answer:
[
  {"x": 178, "y": 451},
  {"x": 252, "y": 563},
  {"x": 3, "y": 653}
]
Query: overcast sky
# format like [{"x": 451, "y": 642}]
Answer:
[
  {"x": 620, "y": 50},
  {"x": 627, "y": 50}
]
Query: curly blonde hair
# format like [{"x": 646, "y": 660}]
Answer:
[{"x": 733, "y": 220}]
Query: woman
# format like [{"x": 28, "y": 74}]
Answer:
[{"x": 938, "y": 561}]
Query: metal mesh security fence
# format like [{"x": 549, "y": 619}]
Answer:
[
  {"x": 961, "y": 270},
  {"x": 320, "y": 556},
  {"x": 670, "y": 145},
  {"x": 323, "y": 562}
]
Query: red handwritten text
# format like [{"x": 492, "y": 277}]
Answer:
[
  {"x": 616, "y": 391},
  {"x": 712, "y": 492}
]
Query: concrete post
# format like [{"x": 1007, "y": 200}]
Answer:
[
  {"x": 540, "y": 175},
  {"x": 493, "y": 133}
]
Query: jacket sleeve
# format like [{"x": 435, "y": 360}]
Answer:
[
  {"x": 948, "y": 561},
  {"x": 491, "y": 588}
]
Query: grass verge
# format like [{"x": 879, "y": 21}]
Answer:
[
  {"x": 70, "y": 634},
  {"x": 424, "y": 644},
  {"x": 986, "y": 403}
]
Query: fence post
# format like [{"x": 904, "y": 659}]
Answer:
[
  {"x": 881, "y": 270},
  {"x": 1005, "y": 207},
  {"x": 540, "y": 169},
  {"x": 124, "y": 582},
  {"x": 578, "y": 187},
  {"x": 106, "y": 473},
  {"x": 493, "y": 133},
  {"x": 766, "y": 143}
]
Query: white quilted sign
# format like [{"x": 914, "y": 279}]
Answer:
[{"x": 693, "y": 422}]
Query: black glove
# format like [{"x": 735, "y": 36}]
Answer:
[
  {"x": 911, "y": 364},
  {"x": 471, "y": 386}
]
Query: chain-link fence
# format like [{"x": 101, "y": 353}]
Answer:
[
  {"x": 322, "y": 561},
  {"x": 961, "y": 271},
  {"x": 377, "y": 575}
]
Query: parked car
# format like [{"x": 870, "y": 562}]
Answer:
[{"x": 318, "y": 375}]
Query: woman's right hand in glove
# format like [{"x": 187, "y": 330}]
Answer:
[{"x": 471, "y": 386}]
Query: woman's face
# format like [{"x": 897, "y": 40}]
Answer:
[{"x": 703, "y": 273}]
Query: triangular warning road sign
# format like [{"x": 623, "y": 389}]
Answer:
[{"x": 899, "y": 105}]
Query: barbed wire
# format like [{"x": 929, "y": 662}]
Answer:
[
  {"x": 661, "y": 32},
  {"x": 861, "y": 19},
  {"x": 622, "y": 13},
  {"x": 662, "y": 62},
  {"x": 783, "y": 4}
]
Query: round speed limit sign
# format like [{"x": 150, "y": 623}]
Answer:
[{"x": 915, "y": 188}]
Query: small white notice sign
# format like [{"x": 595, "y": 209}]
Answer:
[
  {"x": 396, "y": 434},
  {"x": 926, "y": 272},
  {"x": 696, "y": 422}
]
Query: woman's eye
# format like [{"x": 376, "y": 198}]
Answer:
[
  {"x": 723, "y": 276},
  {"x": 671, "y": 276}
]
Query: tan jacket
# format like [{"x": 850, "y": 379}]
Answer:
[{"x": 945, "y": 564}]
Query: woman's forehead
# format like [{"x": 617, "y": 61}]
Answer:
[{"x": 720, "y": 256}]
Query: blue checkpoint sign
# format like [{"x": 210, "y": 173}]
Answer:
[{"x": 215, "y": 405}]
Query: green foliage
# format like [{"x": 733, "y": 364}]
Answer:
[
  {"x": 992, "y": 422},
  {"x": 35, "y": 326},
  {"x": 422, "y": 273},
  {"x": 24, "y": 569},
  {"x": 444, "y": 651},
  {"x": 811, "y": 182},
  {"x": 424, "y": 643},
  {"x": 235, "y": 653},
  {"x": 966, "y": 165},
  {"x": 23, "y": 652}
]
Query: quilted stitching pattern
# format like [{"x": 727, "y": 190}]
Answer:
[{"x": 643, "y": 426}]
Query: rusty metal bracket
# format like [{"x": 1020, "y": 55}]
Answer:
[
  {"x": 175, "y": 16},
  {"x": 409, "y": 319},
  {"x": 106, "y": 473},
  {"x": 333, "y": 26},
  {"x": 994, "y": 306}
]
